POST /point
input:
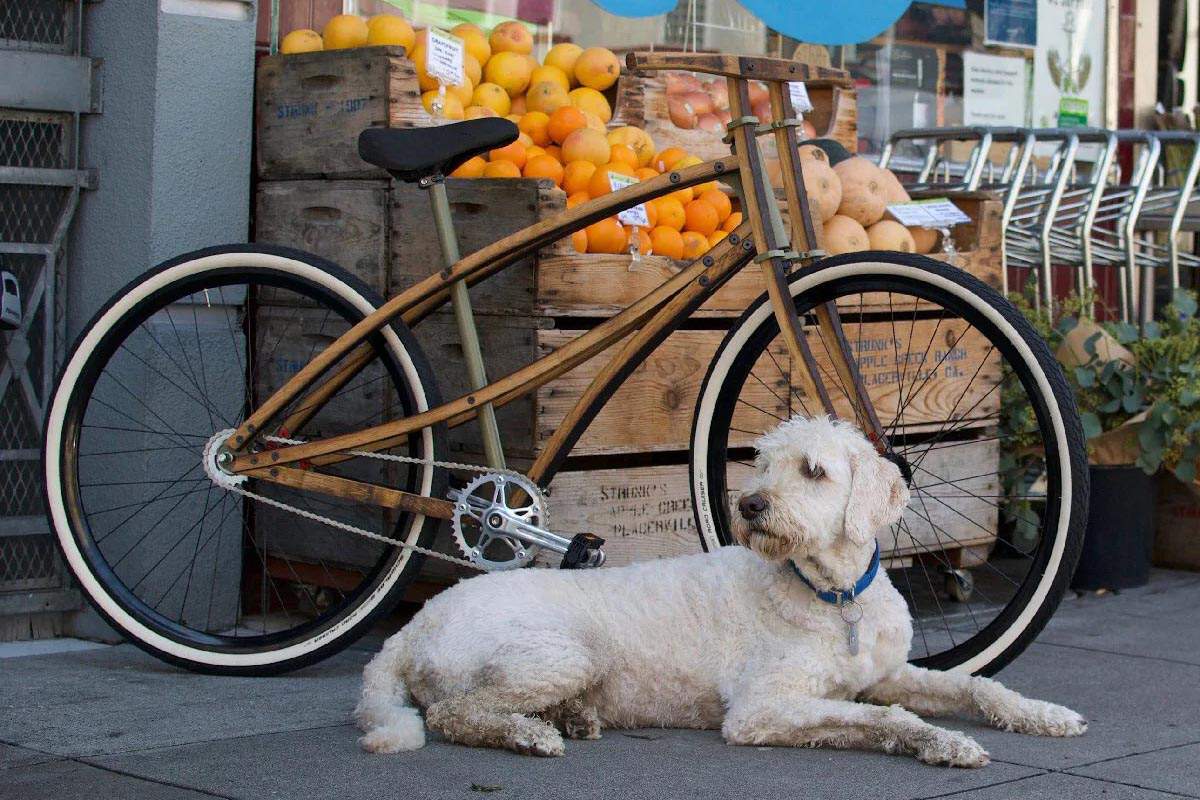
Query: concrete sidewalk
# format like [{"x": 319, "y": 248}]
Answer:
[{"x": 111, "y": 722}]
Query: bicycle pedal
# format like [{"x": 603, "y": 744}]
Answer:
[{"x": 584, "y": 552}]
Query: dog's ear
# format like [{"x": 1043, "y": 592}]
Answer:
[{"x": 878, "y": 496}]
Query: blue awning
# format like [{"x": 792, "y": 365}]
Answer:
[{"x": 816, "y": 21}]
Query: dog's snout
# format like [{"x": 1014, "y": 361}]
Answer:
[{"x": 752, "y": 505}]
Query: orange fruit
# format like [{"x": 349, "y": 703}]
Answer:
[
  {"x": 732, "y": 221},
  {"x": 716, "y": 236},
  {"x": 390, "y": 29},
  {"x": 537, "y": 125},
  {"x": 545, "y": 96},
  {"x": 576, "y": 198},
  {"x": 684, "y": 196},
  {"x": 556, "y": 151},
  {"x": 719, "y": 201},
  {"x": 590, "y": 100},
  {"x": 645, "y": 173},
  {"x": 476, "y": 112},
  {"x": 695, "y": 244},
  {"x": 701, "y": 218},
  {"x": 565, "y": 121},
  {"x": 518, "y": 104},
  {"x": 471, "y": 168},
  {"x": 597, "y": 68},
  {"x": 462, "y": 91},
  {"x": 586, "y": 144},
  {"x": 472, "y": 69},
  {"x": 624, "y": 154},
  {"x": 640, "y": 238},
  {"x": 666, "y": 242},
  {"x": 533, "y": 150},
  {"x": 501, "y": 169},
  {"x": 489, "y": 95},
  {"x": 544, "y": 167},
  {"x": 599, "y": 184},
  {"x": 607, "y": 236},
  {"x": 514, "y": 152},
  {"x": 564, "y": 56},
  {"x": 424, "y": 80},
  {"x": 637, "y": 139},
  {"x": 511, "y": 37},
  {"x": 551, "y": 74},
  {"x": 474, "y": 41},
  {"x": 651, "y": 213},
  {"x": 524, "y": 138},
  {"x": 345, "y": 30},
  {"x": 663, "y": 161},
  {"x": 510, "y": 71},
  {"x": 670, "y": 212},
  {"x": 580, "y": 241},
  {"x": 576, "y": 176},
  {"x": 452, "y": 107},
  {"x": 302, "y": 40}
]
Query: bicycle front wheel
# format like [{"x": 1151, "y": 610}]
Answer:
[
  {"x": 248, "y": 578},
  {"x": 971, "y": 400}
]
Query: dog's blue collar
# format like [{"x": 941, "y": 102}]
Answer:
[{"x": 837, "y": 597}]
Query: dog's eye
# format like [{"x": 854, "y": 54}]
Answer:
[{"x": 811, "y": 471}]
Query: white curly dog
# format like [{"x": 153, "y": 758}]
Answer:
[{"x": 737, "y": 639}]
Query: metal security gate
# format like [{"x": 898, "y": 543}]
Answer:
[{"x": 47, "y": 85}]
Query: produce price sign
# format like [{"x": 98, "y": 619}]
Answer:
[
  {"x": 630, "y": 216},
  {"x": 938, "y": 212},
  {"x": 799, "y": 95},
  {"x": 444, "y": 57}
]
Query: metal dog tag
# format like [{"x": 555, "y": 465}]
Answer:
[{"x": 851, "y": 613}]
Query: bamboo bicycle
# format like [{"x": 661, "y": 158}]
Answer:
[{"x": 183, "y": 452}]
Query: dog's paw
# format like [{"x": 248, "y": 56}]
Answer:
[
  {"x": 391, "y": 739},
  {"x": 534, "y": 737},
  {"x": 1039, "y": 718},
  {"x": 585, "y": 725},
  {"x": 952, "y": 749}
]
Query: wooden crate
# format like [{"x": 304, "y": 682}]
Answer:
[
  {"x": 310, "y": 108},
  {"x": 641, "y": 101}
]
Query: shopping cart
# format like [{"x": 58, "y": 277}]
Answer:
[{"x": 1167, "y": 210}]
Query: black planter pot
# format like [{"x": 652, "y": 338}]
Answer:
[{"x": 1120, "y": 530}]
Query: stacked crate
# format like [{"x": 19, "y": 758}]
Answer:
[{"x": 627, "y": 478}]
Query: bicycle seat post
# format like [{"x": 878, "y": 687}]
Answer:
[{"x": 464, "y": 317}]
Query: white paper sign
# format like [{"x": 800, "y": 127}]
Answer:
[
  {"x": 936, "y": 213},
  {"x": 994, "y": 90},
  {"x": 630, "y": 216},
  {"x": 799, "y": 95},
  {"x": 444, "y": 57}
]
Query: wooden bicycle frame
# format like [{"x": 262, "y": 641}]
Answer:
[{"x": 647, "y": 322}]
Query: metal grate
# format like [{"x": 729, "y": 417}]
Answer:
[
  {"x": 36, "y": 25},
  {"x": 32, "y": 139},
  {"x": 35, "y": 210}
]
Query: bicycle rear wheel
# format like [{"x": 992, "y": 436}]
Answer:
[
  {"x": 214, "y": 577},
  {"x": 974, "y": 403}
]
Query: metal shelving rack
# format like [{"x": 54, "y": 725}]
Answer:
[{"x": 48, "y": 85}]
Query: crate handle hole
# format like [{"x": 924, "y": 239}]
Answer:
[
  {"x": 314, "y": 82},
  {"x": 326, "y": 214}
]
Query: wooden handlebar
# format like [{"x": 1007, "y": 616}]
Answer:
[{"x": 747, "y": 67}]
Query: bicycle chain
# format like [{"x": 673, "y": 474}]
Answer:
[{"x": 369, "y": 534}]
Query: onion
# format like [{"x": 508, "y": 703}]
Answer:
[
  {"x": 681, "y": 113},
  {"x": 710, "y": 122},
  {"x": 682, "y": 83},
  {"x": 762, "y": 110},
  {"x": 701, "y": 102},
  {"x": 758, "y": 93}
]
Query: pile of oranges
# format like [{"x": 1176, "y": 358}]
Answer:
[
  {"x": 579, "y": 157},
  {"x": 562, "y": 114}
]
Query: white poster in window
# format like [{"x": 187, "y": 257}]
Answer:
[
  {"x": 994, "y": 90},
  {"x": 1069, "y": 61}
]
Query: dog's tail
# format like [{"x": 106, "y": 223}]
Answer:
[{"x": 388, "y": 722}]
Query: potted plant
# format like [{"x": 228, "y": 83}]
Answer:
[{"x": 1139, "y": 398}]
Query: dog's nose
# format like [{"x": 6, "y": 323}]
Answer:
[{"x": 752, "y": 505}]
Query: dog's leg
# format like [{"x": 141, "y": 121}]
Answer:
[
  {"x": 782, "y": 720},
  {"x": 941, "y": 693},
  {"x": 522, "y": 679},
  {"x": 575, "y": 718}
]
